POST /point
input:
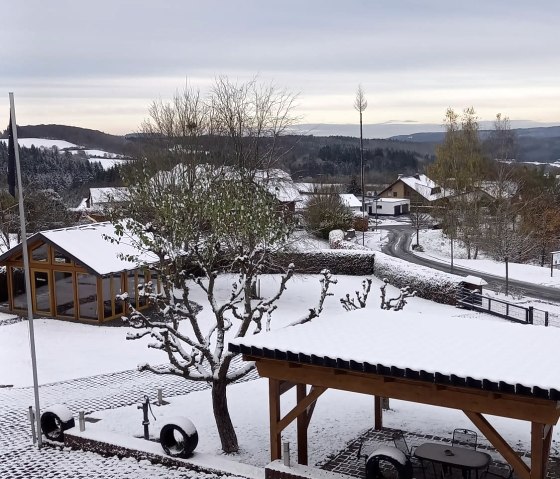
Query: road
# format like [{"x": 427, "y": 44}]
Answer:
[{"x": 400, "y": 237}]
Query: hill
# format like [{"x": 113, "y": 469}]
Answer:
[{"x": 84, "y": 137}]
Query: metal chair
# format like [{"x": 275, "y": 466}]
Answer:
[
  {"x": 402, "y": 445},
  {"x": 465, "y": 438}
]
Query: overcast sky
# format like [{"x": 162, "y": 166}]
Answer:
[{"x": 98, "y": 64}]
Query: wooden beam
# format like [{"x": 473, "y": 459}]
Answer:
[
  {"x": 378, "y": 415},
  {"x": 274, "y": 409},
  {"x": 302, "y": 426},
  {"x": 498, "y": 404},
  {"x": 285, "y": 386},
  {"x": 300, "y": 407},
  {"x": 521, "y": 469}
]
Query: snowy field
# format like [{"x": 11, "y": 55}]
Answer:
[
  {"x": 106, "y": 158},
  {"x": 437, "y": 247},
  {"x": 43, "y": 143}
]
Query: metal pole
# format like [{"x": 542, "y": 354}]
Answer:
[
  {"x": 451, "y": 253},
  {"x": 31, "y": 417},
  {"x": 286, "y": 454},
  {"x": 27, "y": 273},
  {"x": 363, "y": 188},
  {"x": 82, "y": 420},
  {"x": 507, "y": 275}
]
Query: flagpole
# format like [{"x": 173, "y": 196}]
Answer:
[{"x": 27, "y": 273}]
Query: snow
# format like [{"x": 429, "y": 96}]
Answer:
[
  {"x": 475, "y": 280},
  {"x": 184, "y": 423},
  {"x": 60, "y": 410},
  {"x": 338, "y": 418},
  {"x": 207, "y": 461},
  {"x": 479, "y": 349},
  {"x": 107, "y": 163},
  {"x": 67, "y": 350},
  {"x": 43, "y": 143},
  {"x": 100, "y": 154},
  {"x": 89, "y": 246},
  {"x": 350, "y": 200},
  {"x": 112, "y": 353},
  {"x": 389, "y": 451},
  {"x": 437, "y": 247}
]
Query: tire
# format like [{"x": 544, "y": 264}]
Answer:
[
  {"x": 374, "y": 467},
  {"x": 179, "y": 438},
  {"x": 53, "y": 426}
]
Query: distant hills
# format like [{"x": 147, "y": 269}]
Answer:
[{"x": 535, "y": 143}]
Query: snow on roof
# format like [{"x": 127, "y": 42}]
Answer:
[
  {"x": 393, "y": 200},
  {"x": 279, "y": 184},
  {"x": 496, "y": 189},
  {"x": 43, "y": 143},
  {"x": 466, "y": 347},
  {"x": 475, "y": 280},
  {"x": 106, "y": 195},
  {"x": 88, "y": 246},
  {"x": 350, "y": 200},
  {"x": 424, "y": 186}
]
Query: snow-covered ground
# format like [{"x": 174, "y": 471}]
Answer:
[
  {"x": 106, "y": 158},
  {"x": 43, "y": 143},
  {"x": 339, "y": 417},
  {"x": 68, "y": 350},
  {"x": 438, "y": 247}
]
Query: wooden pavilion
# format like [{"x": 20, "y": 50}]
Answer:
[
  {"x": 472, "y": 365},
  {"x": 76, "y": 274}
]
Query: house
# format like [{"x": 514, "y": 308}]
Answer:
[
  {"x": 389, "y": 207},
  {"x": 99, "y": 200},
  {"x": 280, "y": 185},
  {"x": 419, "y": 189},
  {"x": 76, "y": 274},
  {"x": 351, "y": 202}
]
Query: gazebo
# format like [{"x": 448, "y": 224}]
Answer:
[
  {"x": 76, "y": 274},
  {"x": 481, "y": 367}
]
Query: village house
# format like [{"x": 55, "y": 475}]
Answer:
[{"x": 418, "y": 189}]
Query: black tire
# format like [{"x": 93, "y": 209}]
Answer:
[
  {"x": 53, "y": 427},
  {"x": 377, "y": 463},
  {"x": 176, "y": 442}
]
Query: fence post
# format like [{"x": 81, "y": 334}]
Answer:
[
  {"x": 507, "y": 310},
  {"x": 530, "y": 313},
  {"x": 546, "y": 318}
]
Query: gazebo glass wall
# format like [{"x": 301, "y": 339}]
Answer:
[{"x": 63, "y": 288}]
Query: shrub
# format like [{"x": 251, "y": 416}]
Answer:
[{"x": 326, "y": 212}]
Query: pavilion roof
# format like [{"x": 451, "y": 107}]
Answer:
[{"x": 481, "y": 353}]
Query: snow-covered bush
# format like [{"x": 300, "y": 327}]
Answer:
[
  {"x": 427, "y": 282},
  {"x": 335, "y": 237}
]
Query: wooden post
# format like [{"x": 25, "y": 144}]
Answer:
[
  {"x": 274, "y": 405},
  {"x": 378, "y": 420},
  {"x": 537, "y": 451},
  {"x": 302, "y": 424}
]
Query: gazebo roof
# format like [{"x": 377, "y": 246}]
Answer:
[
  {"x": 86, "y": 244},
  {"x": 475, "y": 353}
]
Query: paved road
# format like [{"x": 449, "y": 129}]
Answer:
[
  {"x": 399, "y": 239},
  {"x": 20, "y": 459}
]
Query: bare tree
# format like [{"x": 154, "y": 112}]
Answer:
[{"x": 360, "y": 104}]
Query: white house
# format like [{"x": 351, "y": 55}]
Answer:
[
  {"x": 351, "y": 202},
  {"x": 389, "y": 207}
]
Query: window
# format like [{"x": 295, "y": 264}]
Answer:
[
  {"x": 64, "y": 293},
  {"x": 131, "y": 287},
  {"x": 118, "y": 289},
  {"x": 394, "y": 194},
  {"x": 42, "y": 291},
  {"x": 18, "y": 288},
  {"x": 379, "y": 207},
  {"x": 40, "y": 253},
  {"x": 61, "y": 258},
  {"x": 108, "y": 297},
  {"x": 142, "y": 280},
  {"x": 87, "y": 295}
]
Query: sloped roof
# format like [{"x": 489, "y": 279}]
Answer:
[
  {"x": 423, "y": 185},
  {"x": 279, "y": 184},
  {"x": 106, "y": 195},
  {"x": 87, "y": 245},
  {"x": 350, "y": 200},
  {"x": 467, "y": 352}
]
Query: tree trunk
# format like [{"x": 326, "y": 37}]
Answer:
[{"x": 222, "y": 417}]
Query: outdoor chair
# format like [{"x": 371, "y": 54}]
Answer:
[
  {"x": 402, "y": 445},
  {"x": 464, "y": 438}
]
